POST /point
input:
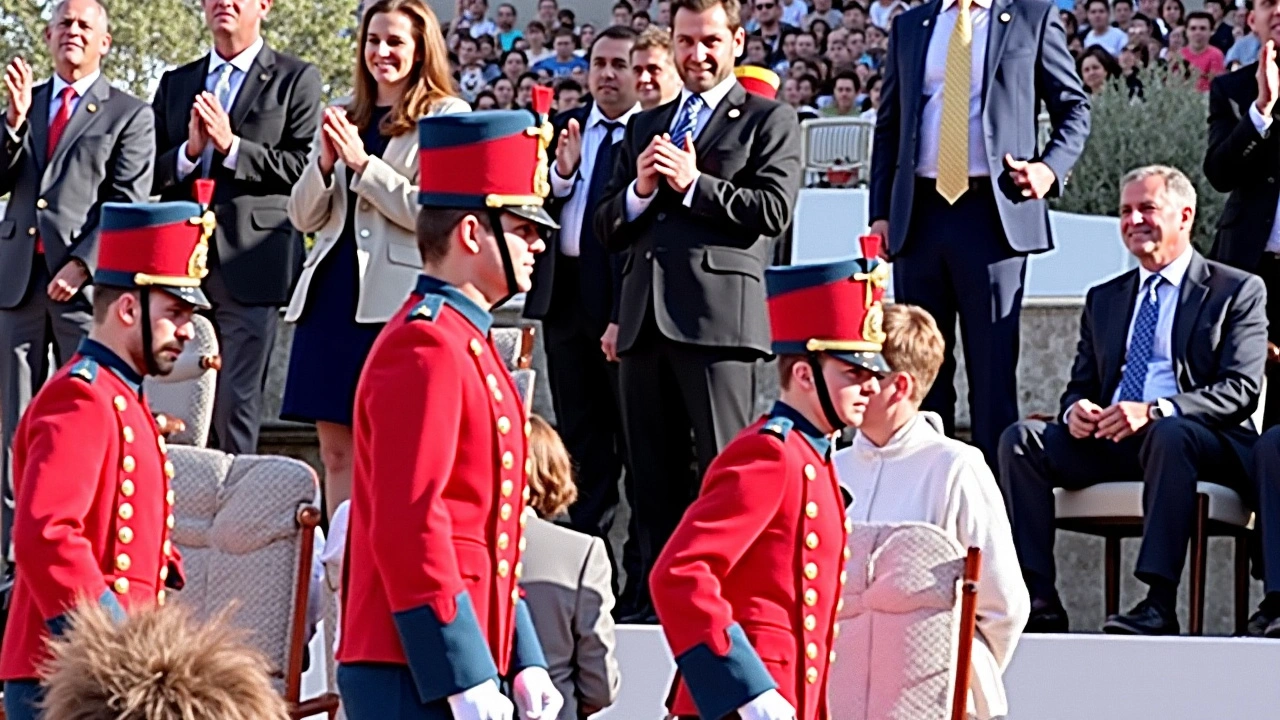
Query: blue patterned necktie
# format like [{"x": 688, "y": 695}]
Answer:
[
  {"x": 687, "y": 123},
  {"x": 1142, "y": 344},
  {"x": 222, "y": 91}
]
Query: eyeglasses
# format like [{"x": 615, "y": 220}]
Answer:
[{"x": 765, "y": 6}]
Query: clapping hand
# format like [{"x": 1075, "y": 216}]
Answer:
[
  {"x": 217, "y": 124},
  {"x": 678, "y": 165},
  {"x": 345, "y": 139},
  {"x": 1268, "y": 79},
  {"x": 18, "y": 80},
  {"x": 569, "y": 150}
]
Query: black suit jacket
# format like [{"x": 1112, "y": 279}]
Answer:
[
  {"x": 600, "y": 271},
  {"x": 701, "y": 268},
  {"x": 1241, "y": 162},
  {"x": 1219, "y": 345},
  {"x": 275, "y": 114}
]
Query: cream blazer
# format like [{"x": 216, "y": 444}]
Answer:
[{"x": 386, "y": 219}]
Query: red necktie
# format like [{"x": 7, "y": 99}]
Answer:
[{"x": 56, "y": 129}]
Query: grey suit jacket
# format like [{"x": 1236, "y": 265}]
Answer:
[
  {"x": 567, "y": 584},
  {"x": 1219, "y": 346},
  {"x": 275, "y": 114},
  {"x": 1027, "y": 64},
  {"x": 105, "y": 155},
  {"x": 701, "y": 268}
]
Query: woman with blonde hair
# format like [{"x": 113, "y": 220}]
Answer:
[
  {"x": 358, "y": 196},
  {"x": 567, "y": 582}
]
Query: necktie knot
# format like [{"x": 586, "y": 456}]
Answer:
[
  {"x": 68, "y": 94},
  {"x": 1153, "y": 285},
  {"x": 688, "y": 121},
  {"x": 609, "y": 126}
]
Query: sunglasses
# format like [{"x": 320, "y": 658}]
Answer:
[{"x": 765, "y": 6}]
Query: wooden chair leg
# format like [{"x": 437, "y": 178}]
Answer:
[
  {"x": 1242, "y": 581},
  {"x": 1199, "y": 559},
  {"x": 1112, "y": 573}
]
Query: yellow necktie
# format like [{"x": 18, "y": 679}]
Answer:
[{"x": 953, "y": 147}]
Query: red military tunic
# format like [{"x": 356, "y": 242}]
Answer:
[
  {"x": 436, "y": 528},
  {"x": 93, "y": 505},
  {"x": 748, "y": 586}
]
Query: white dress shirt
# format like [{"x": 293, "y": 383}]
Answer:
[
  {"x": 572, "y": 214},
  {"x": 1263, "y": 126},
  {"x": 1113, "y": 40},
  {"x": 921, "y": 475},
  {"x": 242, "y": 63},
  {"x": 711, "y": 99},
  {"x": 935, "y": 74},
  {"x": 55, "y": 98},
  {"x": 795, "y": 13},
  {"x": 1161, "y": 380}
]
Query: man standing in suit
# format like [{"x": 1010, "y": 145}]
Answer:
[
  {"x": 575, "y": 285},
  {"x": 702, "y": 184},
  {"x": 958, "y": 189},
  {"x": 70, "y": 145},
  {"x": 244, "y": 116},
  {"x": 1167, "y": 372},
  {"x": 1243, "y": 159}
]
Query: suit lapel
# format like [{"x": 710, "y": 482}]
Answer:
[
  {"x": 39, "y": 123},
  {"x": 1190, "y": 299},
  {"x": 997, "y": 39},
  {"x": 1116, "y": 332},
  {"x": 724, "y": 117},
  {"x": 87, "y": 110},
  {"x": 915, "y": 39},
  {"x": 254, "y": 81}
]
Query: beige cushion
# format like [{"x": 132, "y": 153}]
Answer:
[
  {"x": 187, "y": 392},
  {"x": 240, "y": 539},
  {"x": 1124, "y": 500},
  {"x": 897, "y": 642}
]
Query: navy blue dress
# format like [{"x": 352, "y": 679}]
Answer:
[{"x": 329, "y": 346}]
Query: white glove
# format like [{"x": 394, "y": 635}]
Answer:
[
  {"x": 768, "y": 705},
  {"x": 536, "y": 696},
  {"x": 482, "y": 702}
]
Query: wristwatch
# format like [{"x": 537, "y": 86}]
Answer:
[{"x": 1160, "y": 409}]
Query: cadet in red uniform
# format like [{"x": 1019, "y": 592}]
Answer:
[
  {"x": 93, "y": 505},
  {"x": 433, "y": 621},
  {"x": 748, "y": 586}
]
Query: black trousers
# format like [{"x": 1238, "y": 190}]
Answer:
[
  {"x": 1266, "y": 479},
  {"x": 1170, "y": 456},
  {"x": 1269, "y": 270},
  {"x": 585, "y": 395},
  {"x": 672, "y": 392},
  {"x": 957, "y": 263}
]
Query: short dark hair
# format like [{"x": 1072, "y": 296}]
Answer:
[
  {"x": 846, "y": 75},
  {"x": 1199, "y": 15},
  {"x": 564, "y": 32},
  {"x": 465, "y": 38},
  {"x": 103, "y": 297},
  {"x": 1220, "y": 3},
  {"x": 623, "y": 5},
  {"x": 732, "y": 9},
  {"x": 613, "y": 32},
  {"x": 436, "y": 225},
  {"x": 568, "y": 84},
  {"x": 536, "y": 25},
  {"x": 854, "y": 6},
  {"x": 1122, "y": 2},
  {"x": 787, "y": 363},
  {"x": 863, "y": 33},
  {"x": 1091, "y": 3},
  {"x": 564, "y": 14}
]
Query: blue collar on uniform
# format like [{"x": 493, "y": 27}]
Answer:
[
  {"x": 107, "y": 358},
  {"x": 821, "y": 443},
  {"x": 478, "y": 316}
]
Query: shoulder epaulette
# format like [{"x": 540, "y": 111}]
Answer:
[
  {"x": 428, "y": 309},
  {"x": 777, "y": 426},
  {"x": 86, "y": 369}
]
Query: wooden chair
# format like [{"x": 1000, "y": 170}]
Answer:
[
  {"x": 187, "y": 392},
  {"x": 907, "y": 626},
  {"x": 246, "y": 528}
]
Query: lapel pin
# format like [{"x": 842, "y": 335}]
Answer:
[
  {"x": 91, "y": 108},
  {"x": 1005, "y": 17},
  {"x": 926, "y": 22},
  {"x": 734, "y": 112},
  {"x": 264, "y": 77}
]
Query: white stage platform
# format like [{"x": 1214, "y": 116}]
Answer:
[{"x": 1052, "y": 677}]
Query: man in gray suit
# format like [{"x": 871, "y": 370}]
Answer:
[
  {"x": 69, "y": 145},
  {"x": 958, "y": 186},
  {"x": 1167, "y": 372},
  {"x": 245, "y": 116}
]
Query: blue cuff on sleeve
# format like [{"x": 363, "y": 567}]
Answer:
[
  {"x": 527, "y": 650},
  {"x": 58, "y": 625},
  {"x": 722, "y": 684},
  {"x": 445, "y": 659}
]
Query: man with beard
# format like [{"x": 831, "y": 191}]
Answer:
[
  {"x": 93, "y": 505},
  {"x": 703, "y": 184},
  {"x": 576, "y": 284}
]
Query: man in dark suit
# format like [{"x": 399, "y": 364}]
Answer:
[
  {"x": 70, "y": 144},
  {"x": 1243, "y": 159},
  {"x": 576, "y": 283},
  {"x": 702, "y": 184},
  {"x": 244, "y": 116},
  {"x": 1167, "y": 372},
  {"x": 958, "y": 187}
]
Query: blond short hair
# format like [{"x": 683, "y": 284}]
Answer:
[
  {"x": 551, "y": 486},
  {"x": 913, "y": 345},
  {"x": 159, "y": 664}
]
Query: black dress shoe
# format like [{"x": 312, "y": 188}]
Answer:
[
  {"x": 1144, "y": 619},
  {"x": 1258, "y": 624},
  {"x": 1047, "y": 618},
  {"x": 1273, "y": 629}
]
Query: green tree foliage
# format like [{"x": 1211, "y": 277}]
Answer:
[
  {"x": 1167, "y": 127},
  {"x": 151, "y": 36}
]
